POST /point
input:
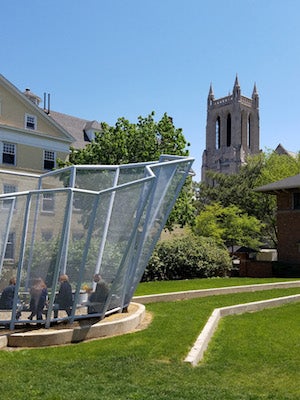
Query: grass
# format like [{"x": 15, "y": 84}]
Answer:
[
  {"x": 158, "y": 287},
  {"x": 252, "y": 356}
]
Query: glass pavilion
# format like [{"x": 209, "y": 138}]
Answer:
[{"x": 81, "y": 221}]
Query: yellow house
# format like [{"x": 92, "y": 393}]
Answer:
[{"x": 30, "y": 140}]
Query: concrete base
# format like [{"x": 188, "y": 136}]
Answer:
[{"x": 117, "y": 324}]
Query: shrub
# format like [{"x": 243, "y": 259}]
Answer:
[{"x": 187, "y": 257}]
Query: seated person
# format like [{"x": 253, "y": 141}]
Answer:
[
  {"x": 98, "y": 298},
  {"x": 39, "y": 294},
  {"x": 7, "y": 297},
  {"x": 64, "y": 298}
]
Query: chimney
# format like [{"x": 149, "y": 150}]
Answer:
[
  {"x": 48, "y": 103},
  {"x": 32, "y": 97},
  {"x": 47, "y": 108}
]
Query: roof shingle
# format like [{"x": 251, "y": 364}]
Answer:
[{"x": 77, "y": 127}]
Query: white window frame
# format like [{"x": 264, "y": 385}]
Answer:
[
  {"x": 48, "y": 203},
  {"x": 30, "y": 122},
  {"x": 8, "y": 188},
  {"x": 76, "y": 207},
  {"x": 49, "y": 156},
  {"x": 10, "y": 150},
  {"x": 10, "y": 246}
]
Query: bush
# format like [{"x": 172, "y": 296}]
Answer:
[{"x": 187, "y": 257}]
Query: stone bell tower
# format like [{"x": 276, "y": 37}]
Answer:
[{"x": 232, "y": 131}]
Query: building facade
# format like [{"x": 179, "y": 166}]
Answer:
[
  {"x": 232, "y": 131},
  {"x": 32, "y": 138},
  {"x": 287, "y": 192},
  {"x": 30, "y": 141}
]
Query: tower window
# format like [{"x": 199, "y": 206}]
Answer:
[
  {"x": 218, "y": 133},
  {"x": 228, "y": 136},
  {"x": 249, "y": 131}
]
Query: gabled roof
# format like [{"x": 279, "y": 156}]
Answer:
[
  {"x": 241, "y": 249},
  {"x": 292, "y": 182},
  {"x": 282, "y": 151},
  {"x": 77, "y": 127},
  {"x": 35, "y": 109}
]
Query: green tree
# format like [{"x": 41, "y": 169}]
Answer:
[
  {"x": 127, "y": 142},
  {"x": 239, "y": 189},
  {"x": 228, "y": 225},
  {"x": 277, "y": 166},
  {"x": 146, "y": 140}
]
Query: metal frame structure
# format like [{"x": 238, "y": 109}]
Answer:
[{"x": 117, "y": 213}]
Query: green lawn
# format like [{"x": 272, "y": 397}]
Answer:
[
  {"x": 252, "y": 356},
  {"x": 157, "y": 287}
]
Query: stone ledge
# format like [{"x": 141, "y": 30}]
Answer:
[
  {"x": 3, "y": 341},
  {"x": 196, "y": 353},
  {"x": 120, "y": 324},
  {"x": 192, "y": 294}
]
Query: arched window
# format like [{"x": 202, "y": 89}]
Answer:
[
  {"x": 218, "y": 133},
  {"x": 228, "y": 136},
  {"x": 249, "y": 131}
]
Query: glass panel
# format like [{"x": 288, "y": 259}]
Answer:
[{"x": 79, "y": 245}]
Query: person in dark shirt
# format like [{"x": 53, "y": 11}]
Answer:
[
  {"x": 38, "y": 293},
  {"x": 98, "y": 298},
  {"x": 7, "y": 297},
  {"x": 64, "y": 297}
]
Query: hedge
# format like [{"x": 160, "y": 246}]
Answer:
[{"x": 187, "y": 257}]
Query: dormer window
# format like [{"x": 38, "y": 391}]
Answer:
[
  {"x": 30, "y": 122},
  {"x": 90, "y": 134},
  {"x": 90, "y": 129}
]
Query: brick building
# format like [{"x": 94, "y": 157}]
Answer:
[{"x": 288, "y": 217}]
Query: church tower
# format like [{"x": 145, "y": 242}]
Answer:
[{"x": 232, "y": 131}]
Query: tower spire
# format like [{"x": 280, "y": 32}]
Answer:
[
  {"x": 236, "y": 89},
  {"x": 255, "y": 97},
  {"x": 211, "y": 96},
  {"x": 236, "y": 82}
]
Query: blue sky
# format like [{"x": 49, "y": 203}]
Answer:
[{"x": 124, "y": 58}]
